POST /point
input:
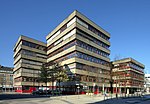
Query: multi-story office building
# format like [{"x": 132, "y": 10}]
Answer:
[
  {"x": 82, "y": 47},
  {"x": 6, "y": 78},
  {"x": 147, "y": 83},
  {"x": 29, "y": 55},
  {"x": 128, "y": 75}
]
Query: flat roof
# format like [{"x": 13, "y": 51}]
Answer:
[
  {"x": 83, "y": 17},
  {"x": 6, "y": 68},
  {"x": 128, "y": 60},
  {"x": 22, "y": 37}
]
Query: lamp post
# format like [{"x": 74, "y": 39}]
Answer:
[
  {"x": 5, "y": 81},
  {"x": 78, "y": 87},
  {"x": 116, "y": 87}
]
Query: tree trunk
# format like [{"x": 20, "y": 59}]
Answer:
[
  {"x": 59, "y": 84},
  {"x": 52, "y": 86},
  {"x": 46, "y": 88}
]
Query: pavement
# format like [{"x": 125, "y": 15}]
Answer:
[{"x": 70, "y": 99}]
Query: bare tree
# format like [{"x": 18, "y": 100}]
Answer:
[{"x": 117, "y": 57}]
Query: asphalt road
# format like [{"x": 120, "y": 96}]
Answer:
[
  {"x": 70, "y": 99},
  {"x": 19, "y": 96}
]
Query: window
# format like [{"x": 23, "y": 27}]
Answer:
[
  {"x": 71, "y": 22},
  {"x": 63, "y": 28},
  {"x": 33, "y": 45},
  {"x": 91, "y": 28},
  {"x": 91, "y": 48},
  {"x": 87, "y": 36},
  {"x": 82, "y": 23},
  {"x": 54, "y": 35},
  {"x": 69, "y": 34}
]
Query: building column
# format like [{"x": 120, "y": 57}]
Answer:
[
  {"x": 127, "y": 90},
  {"x": 103, "y": 88},
  {"x": 120, "y": 90}
]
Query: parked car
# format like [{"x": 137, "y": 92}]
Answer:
[
  {"x": 41, "y": 92},
  {"x": 56, "y": 92},
  {"x": 138, "y": 92}
]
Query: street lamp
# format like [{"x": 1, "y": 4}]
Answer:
[
  {"x": 116, "y": 87},
  {"x": 78, "y": 87},
  {"x": 5, "y": 81}
]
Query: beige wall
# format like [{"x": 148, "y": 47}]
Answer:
[{"x": 78, "y": 14}]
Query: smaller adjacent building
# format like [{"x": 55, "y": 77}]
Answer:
[
  {"x": 6, "y": 79},
  {"x": 128, "y": 76},
  {"x": 147, "y": 83},
  {"x": 29, "y": 55}
]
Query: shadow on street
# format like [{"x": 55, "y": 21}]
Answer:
[
  {"x": 125, "y": 100},
  {"x": 19, "y": 96}
]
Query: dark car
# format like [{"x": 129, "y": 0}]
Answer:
[
  {"x": 41, "y": 92},
  {"x": 56, "y": 92}
]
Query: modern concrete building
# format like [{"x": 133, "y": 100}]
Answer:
[
  {"x": 128, "y": 75},
  {"x": 29, "y": 55},
  {"x": 147, "y": 83},
  {"x": 83, "y": 48},
  {"x": 6, "y": 79}
]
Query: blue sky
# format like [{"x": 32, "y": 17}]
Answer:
[{"x": 128, "y": 22}]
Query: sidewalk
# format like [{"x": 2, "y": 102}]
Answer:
[
  {"x": 68, "y": 99},
  {"x": 100, "y": 99},
  {"x": 78, "y": 99}
]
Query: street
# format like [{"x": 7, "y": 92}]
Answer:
[{"x": 69, "y": 99}]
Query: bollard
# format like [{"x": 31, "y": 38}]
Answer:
[{"x": 116, "y": 95}]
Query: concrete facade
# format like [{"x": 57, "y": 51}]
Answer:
[
  {"x": 128, "y": 75},
  {"x": 147, "y": 83},
  {"x": 29, "y": 55},
  {"x": 83, "y": 47},
  {"x": 6, "y": 79}
]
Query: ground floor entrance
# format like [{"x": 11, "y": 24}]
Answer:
[{"x": 127, "y": 90}]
